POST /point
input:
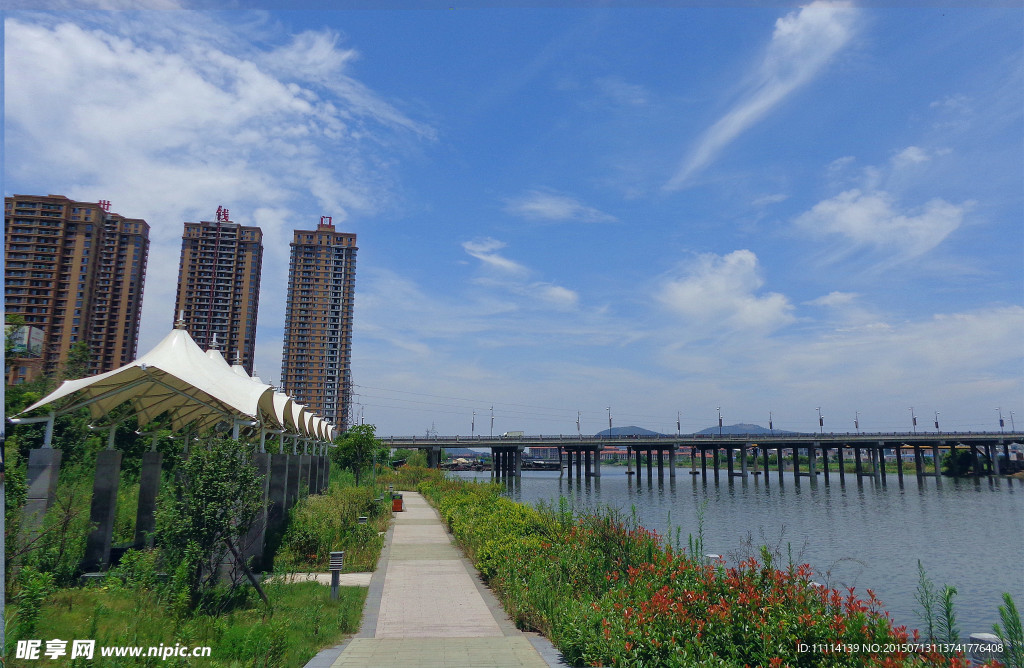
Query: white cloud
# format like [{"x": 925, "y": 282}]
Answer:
[
  {"x": 803, "y": 43},
  {"x": 510, "y": 278},
  {"x": 622, "y": 92},
  {"x": 912, "y": 155},
  {"x": 768, "y": 200},
  {"x": 546, "y": 205},
  {"x": 834, "y": 299},
  {"x": 723, "y": 290},
  {"x": 170, "y": 118},
  {"x": 875, "y": 220},
  {"x": 485, "y": 250}
]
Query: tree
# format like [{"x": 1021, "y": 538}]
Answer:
[
  {"x": 206, "y": 513},
  {"x": 358, "y": 448},
  {"x": 78, "y": 362}
]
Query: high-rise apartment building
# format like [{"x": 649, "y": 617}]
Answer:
[
  {"x": 75, "y": 272},
  {"x": 316, "y": 369},
  {"x": 219, "y": 285}
]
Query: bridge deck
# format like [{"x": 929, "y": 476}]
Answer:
[{"x": 706, "y": 441}]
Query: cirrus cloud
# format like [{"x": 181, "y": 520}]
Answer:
[
  {"x": 551, "y": 206},
  {"x": 802, "y": 45}
]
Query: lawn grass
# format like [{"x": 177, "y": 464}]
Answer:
[{"x": 303, "y": 620}]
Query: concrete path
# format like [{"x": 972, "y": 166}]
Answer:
[{"x": 426, "y": 607}]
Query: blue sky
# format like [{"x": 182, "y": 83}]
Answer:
[{"x": 657, "y": 210}]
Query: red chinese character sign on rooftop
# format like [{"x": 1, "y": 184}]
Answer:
[
  {"x": 327, "y": 221},
  {"x": 104, "y": 204},
  {"x": 222, "y": 215}
]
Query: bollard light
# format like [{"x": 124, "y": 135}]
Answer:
[{"x": 337, "y": 563}]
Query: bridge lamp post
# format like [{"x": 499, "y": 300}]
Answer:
[
  {"x": 679, "y": 416},
  {"x": 821, "y": 422},
  {"x": 856, "y": 422},
  {"x": 472, "y": 426},
  {"x": 913, "y": 419},
  {"x": 1001, "y": 423},
  {"x": 609, "y": 422},
  {"x": 1012, "y": 427},
  {"x": 579, "y": 434},
  {"x": 936, "y": 422},
  {"x": 771, "y": 424},
  {"x": 719, "y": 409},
  {"x": 492, "y": 421}
]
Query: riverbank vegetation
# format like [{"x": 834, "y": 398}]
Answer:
[{"x": 609, "y": 592}]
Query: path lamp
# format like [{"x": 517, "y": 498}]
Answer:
[
  {"x": 821, "y": 421},
  {"x": 936, "y": 422},
  {"x": 913, "y": 419},
  {"x": 337, "y": 563}
]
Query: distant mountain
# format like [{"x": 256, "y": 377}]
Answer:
[
  {"x": 742, "y": 429},
  {"x": 627, "y": 431},
  {"x": 732, "y": 429},
  {"x": 462, "y": 452}
]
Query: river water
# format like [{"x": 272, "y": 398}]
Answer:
[{"x": 966, "y": 533}]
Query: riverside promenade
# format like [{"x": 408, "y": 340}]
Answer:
[{"x": 426, "y": 607}]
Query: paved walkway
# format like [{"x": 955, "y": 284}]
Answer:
[{"x": 426, "y": 608}]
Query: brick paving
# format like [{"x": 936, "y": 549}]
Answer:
[{"x": 426, "y": 608}]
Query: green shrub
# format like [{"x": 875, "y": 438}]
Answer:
[{"x": 609, "y": 592}]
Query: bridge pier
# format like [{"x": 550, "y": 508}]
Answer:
[
  {"x": 856, "y": 460},
  {"x": 507, "y": 461},
  {"x": 898, "y": 449},
  {"x": 842, "y": 464},
  {"x": 824, "y": 463},
  {"x": 937, "y": 463},
  {"x": 672, "y": 462},
  {"x": 714, "y": 458}
]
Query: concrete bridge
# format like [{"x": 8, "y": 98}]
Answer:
[{"x": 735, "y": 451}]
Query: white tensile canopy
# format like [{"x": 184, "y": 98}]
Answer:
[{"x": 176, "y": 377}]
